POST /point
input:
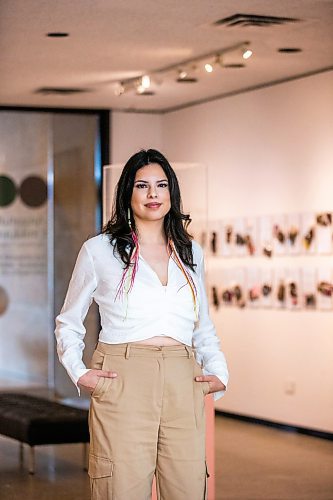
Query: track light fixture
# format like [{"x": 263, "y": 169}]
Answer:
[
  {"x": 186, "y": 75},
  {"x": 184, "y": 70},
  {"x": 142, "y": 84}
]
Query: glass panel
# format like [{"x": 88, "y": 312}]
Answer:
[
  {"x": 24, "y": 313},
  {"x": 75, "y": 204},
  {"x": 49, "y": 205}
]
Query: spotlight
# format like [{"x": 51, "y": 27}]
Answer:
[
  {"x": 145, "y": 81},
  {"x": 247, "y": 54},
  {"x": 182, "y": 74},
  {"x": 209, "y": 67}
]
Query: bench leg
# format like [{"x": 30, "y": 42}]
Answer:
[
  {"x": 31, "y": 460},
  {"x": 85, "y": 456}
]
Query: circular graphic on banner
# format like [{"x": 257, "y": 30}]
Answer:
[
  {"x": 4, "y": 300},
  {"x": 7, "y": 191},
  {"x": 33, "y": 191}
]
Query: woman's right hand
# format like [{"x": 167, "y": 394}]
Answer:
[{"x": 89, "y": 380}]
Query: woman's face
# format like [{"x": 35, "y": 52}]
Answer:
[{"x": 151, "y": 196}]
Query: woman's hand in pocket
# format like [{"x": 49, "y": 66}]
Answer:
[
  {"x": 214, "y": 382},
  {"x": 89, "y": 380}
]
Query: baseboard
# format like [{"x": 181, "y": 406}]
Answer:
[{"x": 277, "y": 425}]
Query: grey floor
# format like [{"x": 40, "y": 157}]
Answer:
[
  {"x": 256, "y": 462},
  {"x": 253, "y": 462}
]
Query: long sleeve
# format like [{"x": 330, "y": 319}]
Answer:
[
  {"x": 206, "y": 341},
  {"x": 70, "y": 330}
]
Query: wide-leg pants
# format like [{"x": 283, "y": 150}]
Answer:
[{"x": 148, "y": 420}]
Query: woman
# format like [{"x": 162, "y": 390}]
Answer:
[{"x": 146, "y": 382}]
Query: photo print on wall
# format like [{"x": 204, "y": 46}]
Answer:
[
  {"x": 268, "y": 235},
  {"x": 273, "y": 237}
]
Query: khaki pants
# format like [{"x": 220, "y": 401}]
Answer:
[{"x": 149, "y": 420}]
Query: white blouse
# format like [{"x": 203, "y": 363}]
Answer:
[{"x": 152, "y": 309}]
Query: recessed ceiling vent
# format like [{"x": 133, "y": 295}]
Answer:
[
  {"x": 244, "y": 20},
  {"x": 60, "y": 90}
]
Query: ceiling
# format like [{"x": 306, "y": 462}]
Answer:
[{"x": 114, "y": 40}]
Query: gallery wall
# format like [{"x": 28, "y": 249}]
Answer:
[
  {"x": 131, "y": 132},
  {"x": 267, "y": 151}
]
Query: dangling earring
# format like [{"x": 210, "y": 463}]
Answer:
[
  {"x": 134, "y": 235},
  {"x": 135, "y": 252}
]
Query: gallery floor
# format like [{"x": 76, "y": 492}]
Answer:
[{"x": 253, "y": 462}]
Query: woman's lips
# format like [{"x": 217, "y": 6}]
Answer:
[{"x": 153, "y": 205}]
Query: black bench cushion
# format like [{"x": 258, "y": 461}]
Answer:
[{"x": 35, "y": 420}]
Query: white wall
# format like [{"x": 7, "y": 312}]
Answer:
[
  {"x": 268, "y": 151},
  {"x": 131, "y": 132}
]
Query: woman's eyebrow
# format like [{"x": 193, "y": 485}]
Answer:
[{"x": 147, "y": 182}]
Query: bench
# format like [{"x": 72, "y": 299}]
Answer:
[{"x": 37, "y": 421}]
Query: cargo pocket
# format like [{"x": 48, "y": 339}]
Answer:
[
  {"x": 206, "y": 482},
  {"x": 100, "y": 471}
]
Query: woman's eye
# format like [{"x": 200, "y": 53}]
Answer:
[{"x": 141, "y": 185}]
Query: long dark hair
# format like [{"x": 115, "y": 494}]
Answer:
[{"x": 175, "y": 221}]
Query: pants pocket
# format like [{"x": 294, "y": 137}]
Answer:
[
  {"x": 99, "y": 467},
  {"x": 97, "y": 359},
  {"x": 97, "y": 363},
  {"x": 98, "y": 386},
  {"x": 205, "y": 387},
  {"x": 198, "y": 396},
  {"x": 100, "y": 471}
]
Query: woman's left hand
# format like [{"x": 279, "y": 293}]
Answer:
[{"x": 215, "y": 383}]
